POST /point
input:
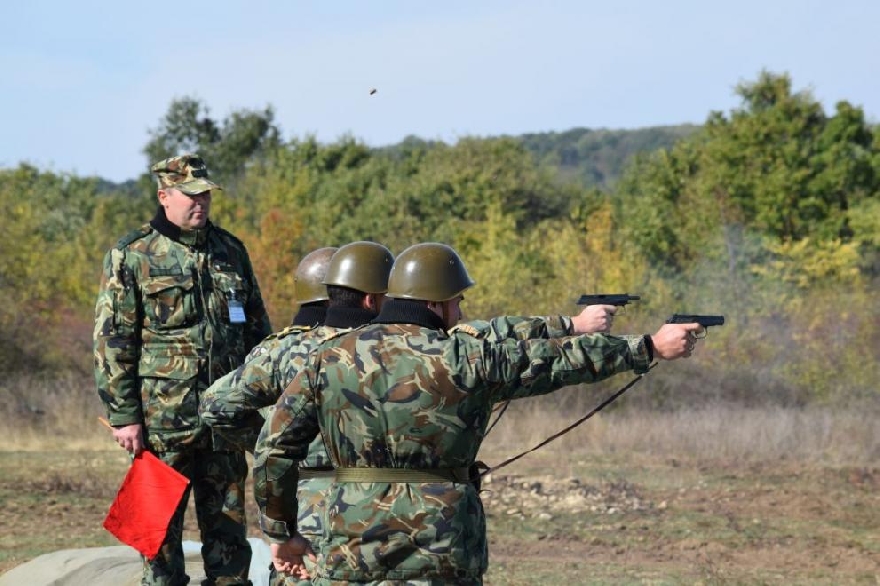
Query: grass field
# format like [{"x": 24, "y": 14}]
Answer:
[{"x": 720, "y": 496}]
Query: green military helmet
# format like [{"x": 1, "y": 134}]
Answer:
[
  {"x": 362, "y": 266},
  {"x": 308, "y": 280},
  {"x": 429, "y": 271}
]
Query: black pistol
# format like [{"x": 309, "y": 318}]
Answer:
[
  {"x": 704, "y": 320},
  {"x": 618, "y": 299}
]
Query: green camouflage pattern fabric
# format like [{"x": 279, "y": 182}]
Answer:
[
  {"x": 407, "y": 396},
  {"x": 188, "y": 173},
  {"x": 163, "y": 331},
  {"x": 234, "y": 406},
  {"x": 217, "y": 486},
  {"x": 516, "y": 327}
]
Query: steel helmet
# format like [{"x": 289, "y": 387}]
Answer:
[
  {"x": 429, "y": 271},
  {"x": 362, "y": 266},
  {"x": 308, "y": 280}
]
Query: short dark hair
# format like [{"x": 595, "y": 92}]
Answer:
[{"x": 345, "y": 296}]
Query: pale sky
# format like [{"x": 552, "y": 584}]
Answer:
[{"x": 81, "y": 82}]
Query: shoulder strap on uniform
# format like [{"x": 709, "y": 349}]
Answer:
[
  {"x": 292, "y": 329},
  {"x": 132, "y": 236},
  {"x": 337, "y": 332},
  {"x": 466, "y": 329}
]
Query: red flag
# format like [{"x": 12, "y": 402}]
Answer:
[{"x": 145, "y": 503}]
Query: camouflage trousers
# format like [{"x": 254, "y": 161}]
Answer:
[
  {"x": 311, "y": 498},
  {"x": 217, "y": 486}
]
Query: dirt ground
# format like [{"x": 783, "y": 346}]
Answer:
[
  {"x": 720, "y": 524},
  {"x": 556, "y": 518}
]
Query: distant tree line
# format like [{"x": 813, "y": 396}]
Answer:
[{"x": 768, "y": 214}]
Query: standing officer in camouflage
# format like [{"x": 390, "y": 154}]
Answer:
[
  {"x": 403, "y": 405},
  {"x": 179, "y": 307}
]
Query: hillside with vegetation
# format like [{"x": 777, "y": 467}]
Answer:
[
  {"x": 598, "y": 157},
  {"x": 767, "y": 214}
]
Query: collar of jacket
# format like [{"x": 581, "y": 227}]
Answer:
[
  {"x": 165, "y": 227},
  {"x": 405, "y": 311},
  {"x": 310, "y": 315},
  {"x": 348, "y": 317}
]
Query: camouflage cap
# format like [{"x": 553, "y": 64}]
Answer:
[{"x": 188, "y": 173}]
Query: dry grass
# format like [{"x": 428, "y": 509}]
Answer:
[
  {"x": 717, "y": 495},
  {"x": 37, "y": 415},
  {"x": 810, "y": 436}
]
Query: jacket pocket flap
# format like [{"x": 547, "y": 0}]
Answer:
[
  {"x": 156, "y": 285},
  {"x": 169, "y": 366}
]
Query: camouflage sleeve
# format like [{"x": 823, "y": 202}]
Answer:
[
  {"x": 231, "y": 405},
  {"x": 283, "y": 443},
  {"x": 520, "y": 328},
  {"x": 523, "y": 368},
  {"x": 117, "y": 341},
  {"x": 258, "y": 325}
]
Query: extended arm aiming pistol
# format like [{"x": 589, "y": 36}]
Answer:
[{"x": 704, "y": 320}]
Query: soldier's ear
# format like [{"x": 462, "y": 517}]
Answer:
[{"x": 436, "y": 307}]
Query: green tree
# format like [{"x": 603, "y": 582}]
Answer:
[
  {"x": 227, "y": 145},
  {"x": 47, "y": 276},
  {"x": 597, "y": 157},
  {"x": 777, "y": 166}
]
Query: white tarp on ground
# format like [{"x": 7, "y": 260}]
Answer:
[{"x": 116, "y": 566}]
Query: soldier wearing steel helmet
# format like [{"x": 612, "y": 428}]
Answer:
[
  {"x": 350, "y": 285},
  {"x": 178, "y": 307},
  {"x": 309, "y": 290},
  {"x": 403, "y": 405}
]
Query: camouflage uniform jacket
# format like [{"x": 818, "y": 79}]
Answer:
[
  {"x": 166, "y": 326},
  {"x": 234, "y": 405},
  {"x": 404, "y": 393}
]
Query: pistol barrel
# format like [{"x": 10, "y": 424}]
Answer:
[{"x": 618, "y": 299}]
